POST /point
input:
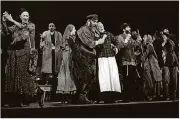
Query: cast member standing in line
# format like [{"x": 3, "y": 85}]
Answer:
[
  {"x": 19, "y": 84},
  {"x": 84, "y": 62},
  {"x": 51, "y": 42},
  {"x": 66, "y": 84},
  {"x": 107, "y": 67}
]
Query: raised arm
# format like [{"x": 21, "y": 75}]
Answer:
[{"x": 8, "y": 17}]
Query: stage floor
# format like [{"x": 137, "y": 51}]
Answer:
[{"x": 153, "y": 109}]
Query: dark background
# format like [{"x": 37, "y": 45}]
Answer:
[{"x": 147, "y": 16}]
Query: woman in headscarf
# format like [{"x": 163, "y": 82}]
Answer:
[
  {"x": 108, "y": 73},
  {"x": 66, "y": 83},
  {"x": 152, "y": 74},
  {"x": 19, "y": 83}
]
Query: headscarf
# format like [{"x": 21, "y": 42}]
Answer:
[{"x": 149, "y": 39}]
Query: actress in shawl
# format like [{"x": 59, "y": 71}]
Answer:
[
  {"x": 107, "y": 67},
  {"x": 152, "y": 74},
  {"x": 65, "y": 77},
  {"x": 19, "y": 83}
]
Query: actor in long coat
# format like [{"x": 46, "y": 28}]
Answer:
[
  {"x": 152, "y": 74},
  {"x": 47, "y": 45},
  {"x": 84, "y": 60}
]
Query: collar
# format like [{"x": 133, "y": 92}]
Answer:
[{"x": 52, "y": 33}]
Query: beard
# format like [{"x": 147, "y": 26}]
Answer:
[
  {"x": 128, "y": 32},
  {"x": 52, "y": 30}
]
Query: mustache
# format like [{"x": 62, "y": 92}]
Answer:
[{"x": 128, "y": 31}]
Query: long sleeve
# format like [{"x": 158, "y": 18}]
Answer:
[
  {"x": 116, "y": 42},
  {"x": 8, "y": 29},
  {"x": 32, "y": 35},
  {"x": 86, "y": 37},
  {"x": 42, "y": 39},
  {"x": 121, "y": 42},
  {"x": 59, "y": 42},
  {"x": 70, "y": 42},
  {"x": 170, "y": 45},
  {"x": 148, "y": 50}
]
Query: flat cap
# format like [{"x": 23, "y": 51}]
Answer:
[
  {"x": 92, "y": 17},
  {"x": 124, "y": 25}
]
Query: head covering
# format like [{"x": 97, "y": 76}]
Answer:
[
  {"x": 92, "y": 17},
  {"x": 124, "y": 25},
  {"x": 99, "y": 25},
  {"x": 149, "y": 39},
  {"x": 23, "y": 10}
]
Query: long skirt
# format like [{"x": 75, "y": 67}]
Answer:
[
  {"x": 65, "y": 77},
  {"x": 108, "y": 75},
  {"x": 18, "y": 80}
]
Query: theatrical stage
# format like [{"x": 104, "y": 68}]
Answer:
[{"x": 153, "y": 109}]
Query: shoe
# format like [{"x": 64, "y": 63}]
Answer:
[
  {"x": 126, "y": 101},
  {"x": 25, "y": 105},
  {"x": 84, "y": 100}
]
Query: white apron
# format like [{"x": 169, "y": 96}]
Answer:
[{"x": 108, "y": 74}]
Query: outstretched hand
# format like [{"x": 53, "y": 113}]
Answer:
[{"x": 7, "y": 16}]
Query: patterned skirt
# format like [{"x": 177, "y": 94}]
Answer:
[{"x": 18, "y": 80}]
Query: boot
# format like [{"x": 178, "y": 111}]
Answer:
[
  {"x": 155, "y": 92},
  {"x": 166, "y": 91},
  {"x": 159, "y": 90},
  {"x": 84, "y": 100}
]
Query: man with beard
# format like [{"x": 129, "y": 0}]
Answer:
[
  {"x": 84, "y": 58},
  {"x": 130, "y": 73},
  {"x": 138, "y": 51}
]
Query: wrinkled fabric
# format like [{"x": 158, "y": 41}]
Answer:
[
  {"x": 47, "y": 52},
  {"x": 152, "y": 72},
  {"x": 128, "y": 50},
  {"x": 18, "y": 80},
  {"x": 170, "y": 58},
  {"x": 66, "y": 82},
  {"x": 108, "y": 75},
  {"x": 84, "y": 58}
]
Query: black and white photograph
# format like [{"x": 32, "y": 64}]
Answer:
[{"x": 89, "y": 59}]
